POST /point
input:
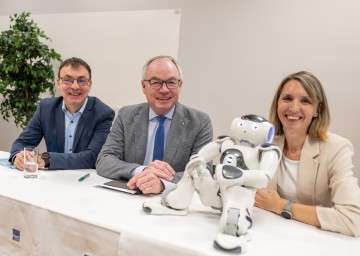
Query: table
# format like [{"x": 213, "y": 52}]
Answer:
[{"x": 58, "y": 215}]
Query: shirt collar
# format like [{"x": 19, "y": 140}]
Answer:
[
  {"x": 169, "y": 114},
  {"x": 81, "y": 110}
]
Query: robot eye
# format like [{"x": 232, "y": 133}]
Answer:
[
  {"x": 241, "y": 123},
  {"x": 255, "y": 127}
]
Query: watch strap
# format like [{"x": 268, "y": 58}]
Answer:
[
  {"x": 46, "y": 157},
  {"x": 288, "y": 206},
  {"x": 287, "y": 210}
]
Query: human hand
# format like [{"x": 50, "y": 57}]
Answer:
[
  {"x": 148, "y": 181},
  {"x": 269, "y": 200},
  {"x": 161, "y": 169},
  {"x": 19, "y": 161}
]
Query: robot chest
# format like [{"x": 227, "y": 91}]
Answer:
[{"x": 239, "y": 158}]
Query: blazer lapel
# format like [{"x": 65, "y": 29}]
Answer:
[
  {"x": 60, "y": 127},
  {"x": 82, "y": 122},
  {"x": 278, "y": 141},
  {"x": 176, "y": 134},
  {"x": 308, "y": 171}
]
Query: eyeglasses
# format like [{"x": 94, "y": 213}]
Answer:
[
  {"x": 80, "y": 81},
  {"x": 156, "y": 84}
]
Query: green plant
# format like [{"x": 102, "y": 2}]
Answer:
[{"x": 25, "y": 68}]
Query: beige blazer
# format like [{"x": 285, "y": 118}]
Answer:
[{"x": 325, "y": 178}]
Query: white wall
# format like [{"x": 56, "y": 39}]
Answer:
[
  {"x": 234, "y": 53},
  {"x": 115, "y": 44}
]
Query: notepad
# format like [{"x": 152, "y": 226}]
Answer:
[{"x": 120, "y": 185}]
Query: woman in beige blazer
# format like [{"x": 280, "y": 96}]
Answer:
[{"x": 314, "y": 183}]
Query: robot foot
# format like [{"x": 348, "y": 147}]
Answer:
[
  {"x": 231, "y": 243},
  {"x": 156, "y": 208}
]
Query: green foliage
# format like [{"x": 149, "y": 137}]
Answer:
[{"x": 25, "y": 68}]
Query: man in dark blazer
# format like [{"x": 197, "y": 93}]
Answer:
[
  {"x": 128, "y": 151},
  {"x": 74, "y": 126}
]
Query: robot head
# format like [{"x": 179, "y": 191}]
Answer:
[{"x": 252, "y": 129}]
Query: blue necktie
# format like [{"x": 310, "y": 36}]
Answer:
[{"x": 159, "y": 139}]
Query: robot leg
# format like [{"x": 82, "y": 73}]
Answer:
[
  {"x": 229, "y": 240},
  {"x": 235, "y": 219}
]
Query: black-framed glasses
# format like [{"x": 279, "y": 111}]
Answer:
[
  {"x": 156, "y": 84},
  {"x": 80, "y": 81}
]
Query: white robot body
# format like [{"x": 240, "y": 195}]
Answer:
[{"x": 247, "y": 162}]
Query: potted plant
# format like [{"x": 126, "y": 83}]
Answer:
[{"x": 26, "y": 70}]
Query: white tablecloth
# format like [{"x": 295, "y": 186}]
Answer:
[{"x": 58, "y": 215}]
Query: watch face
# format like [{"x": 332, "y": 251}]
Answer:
[
  {"x": 286, "y": 215},
  {"x": 45, "y": 155}
]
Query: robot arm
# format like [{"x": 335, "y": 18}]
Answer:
[
  {"x": 268, "y": 165},
  {"x": 270, "y": 156},
  {"x": 213, "y": 149}
]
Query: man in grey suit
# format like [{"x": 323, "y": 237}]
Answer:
[{"x": 128, "y": 151}]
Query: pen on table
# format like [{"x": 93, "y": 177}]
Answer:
[{"x": 84, "y": 177}]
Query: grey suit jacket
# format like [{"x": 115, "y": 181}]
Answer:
[
  {"x": 325, "y": 178},
  {"x": 125, "y": 147}
]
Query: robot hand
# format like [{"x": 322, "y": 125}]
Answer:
[
  {"x": 207, "y": 188},
  {"x": 196, "y": 163}
]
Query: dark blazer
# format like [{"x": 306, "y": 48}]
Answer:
[
  {"x": 125, "y": 147},
  {"x": 48, "y": 122}
]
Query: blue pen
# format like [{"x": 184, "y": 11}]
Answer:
[{"x": 84, "y": 177}]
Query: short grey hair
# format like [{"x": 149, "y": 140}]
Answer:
[{"x": 162, "y": 57}]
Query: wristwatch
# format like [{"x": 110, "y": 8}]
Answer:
[
  {"x": 286, "y": 212},
  {"x": 46, "y": 157}
]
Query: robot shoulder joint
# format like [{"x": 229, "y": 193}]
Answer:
[
  {"x": 268, "y": 147},
  {"x": 223, "y": 138}
]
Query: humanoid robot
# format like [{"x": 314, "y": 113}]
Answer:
[{"x": 248, "y": 161}]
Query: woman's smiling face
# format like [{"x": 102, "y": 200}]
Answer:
[{"x": 296, "y": 109}]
